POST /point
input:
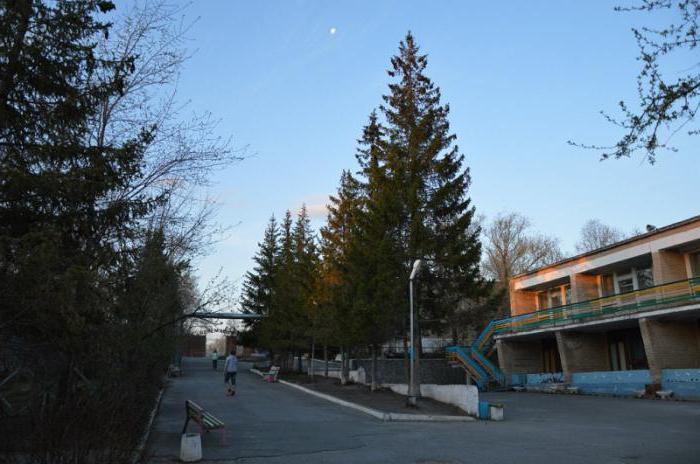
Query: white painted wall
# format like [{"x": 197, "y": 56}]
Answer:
[{"x": 465, "y": 397}]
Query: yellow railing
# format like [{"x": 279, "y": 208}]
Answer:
[{"x": 671, "y": 294}]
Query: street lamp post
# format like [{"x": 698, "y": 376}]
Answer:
[{"x": 414, "y": 386}]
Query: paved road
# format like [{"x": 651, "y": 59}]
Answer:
[{"x": 272, "y": 423}]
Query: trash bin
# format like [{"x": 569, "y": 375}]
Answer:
[
  {"x": 483, "y": 410},
  {"x": 191, "y": 447},
  {"x": 496, "y": 412}
]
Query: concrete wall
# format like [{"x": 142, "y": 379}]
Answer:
[
  {"x": 670, "y": 345},
  {"x": 584, "y": 287},
  {"x": 519, "y": 357},
  {"x": 544, "y": 378},
  {"x": 465, "y": 397},
  {"x": 668, "y": 266},
  {"x": 611, "y": 382},
  {"x": 582, "y": 352},
  {"x": 432, "y": 371},
  {"x": 684, "y": 383},
  {"x": 522, "y": 302}
]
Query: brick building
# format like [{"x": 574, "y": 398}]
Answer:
[{"x": 613, "y": 320}]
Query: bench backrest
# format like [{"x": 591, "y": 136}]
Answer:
[
  {"x": 199, "y": 415},
  {"x": 193, "y": 409}
]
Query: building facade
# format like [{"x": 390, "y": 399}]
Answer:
[{"x": 616, "y": 320}]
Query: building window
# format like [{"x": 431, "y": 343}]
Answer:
[
  {"x": 618, "y": 356},
  {"x": 541, "y": 300},
  {"x": 626, "y": 350},
  {"x": 567, "y": 294},
  {"x": 555, "y": 297},
  {"x": 695, "y": 264},
  {"x": 625, "y": 283},
  {"x": 645, "y": 278},
  {"x": 551, "y": 362}
]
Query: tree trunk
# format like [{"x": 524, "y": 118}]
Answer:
[
  {"x": 344, "y": 374},
  {"x": 325, "y": 360},
  {"x": 406, "y": 361},
  {"x": 311, "y": 359},
  {"x": 373, "y": 385}
]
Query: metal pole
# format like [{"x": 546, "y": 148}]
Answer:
[
  {"x": 413, "y": 387},
  {"x": 411, "y": 370}
]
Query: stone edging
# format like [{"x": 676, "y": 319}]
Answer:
[{"x": 381, "y": 415}]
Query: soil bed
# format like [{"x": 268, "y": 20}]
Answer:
[{"x": 383, "y": 400}]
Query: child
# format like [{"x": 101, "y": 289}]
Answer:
[{"x": 230, "y": 369}]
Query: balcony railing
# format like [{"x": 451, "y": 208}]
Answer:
[{"x": 672, "y": 294}]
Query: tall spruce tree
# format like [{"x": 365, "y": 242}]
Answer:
[
  {"x": 304, "y": 274},
  {"x": 337, "y": 284},
  {"x": 374, "y": 256},
  {"x": 258, "y": 287},
  {"x": 276, "y": 329},
  {"x": 425, "y": 171}
]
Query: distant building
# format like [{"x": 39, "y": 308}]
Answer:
[{"x": 612, "y": 320}]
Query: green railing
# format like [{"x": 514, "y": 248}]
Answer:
[{"x": 658, "y": 297}]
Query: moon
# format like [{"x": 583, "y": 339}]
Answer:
[{"x": 332, "y": 30}]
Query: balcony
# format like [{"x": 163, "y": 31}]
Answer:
[{"x": 674, "y": 294}]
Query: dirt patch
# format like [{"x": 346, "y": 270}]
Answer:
[{"x": 382, "y": 400}]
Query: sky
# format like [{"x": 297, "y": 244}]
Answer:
[{"x": 293, "y": 82}]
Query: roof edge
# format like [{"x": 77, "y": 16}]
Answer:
[{"x": 612, "y": 245}]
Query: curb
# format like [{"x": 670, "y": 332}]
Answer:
[
  {"x": 381, "y": 415},
  {"x": 138, "y": 453}
]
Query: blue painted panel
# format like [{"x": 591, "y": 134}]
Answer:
[
  {"x": 683, "y": 382},
  {"x": 545, "y": 377},
  {"x": 483, "y": 410},
  {"x": 611, "y": 382},
  {"x": 518, "y": 379}
]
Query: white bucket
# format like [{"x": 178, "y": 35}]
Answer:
[{"x": 190, "y": 447}]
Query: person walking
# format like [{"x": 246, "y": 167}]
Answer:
[
  {"x": 214, "y": 359},
  {"x": 230, "y": 370}
]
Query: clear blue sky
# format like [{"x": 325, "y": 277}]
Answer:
[{"x": 521, "y": 78}]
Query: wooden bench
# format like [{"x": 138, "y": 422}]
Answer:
[
  {"x": 271, "y": 375},
  {"x": 206, "y": 420}
]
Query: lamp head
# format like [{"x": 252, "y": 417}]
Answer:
[{"x": 416, "y": 268}]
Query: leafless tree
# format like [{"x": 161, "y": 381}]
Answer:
[
  {"x": 185, "y": 147},
  {"x": 510, "y": 248},
  {"x": 595, "y": 234}
]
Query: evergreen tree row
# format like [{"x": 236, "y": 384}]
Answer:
[{"x": 407, "y": 200}]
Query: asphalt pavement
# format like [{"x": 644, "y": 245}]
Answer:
[{"x": 274, "y": 423}]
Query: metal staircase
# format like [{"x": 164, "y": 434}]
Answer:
[{"x": 475, "y": 358}]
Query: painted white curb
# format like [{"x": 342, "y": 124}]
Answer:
[{"x": 383, "y": 416}]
